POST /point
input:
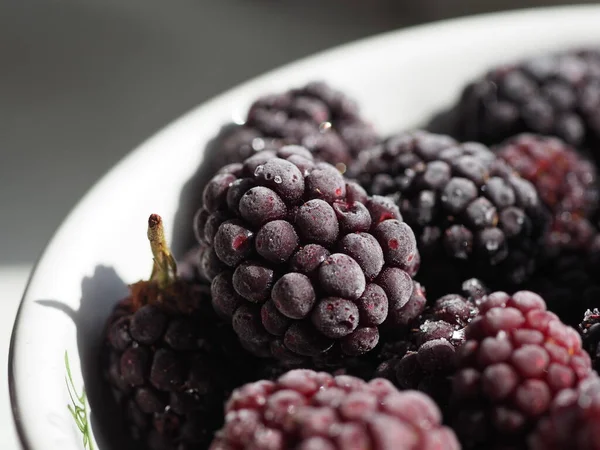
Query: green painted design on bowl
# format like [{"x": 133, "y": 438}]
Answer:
[{"x": 78, "y": 407}]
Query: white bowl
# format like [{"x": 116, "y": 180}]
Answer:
[{"x": 400, "y": 79}]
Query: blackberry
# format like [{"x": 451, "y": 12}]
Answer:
[
  {"x": 297, "y": 256},
  {"x": 565, "y": 181},
  {"x": 425, "y": 357},
  {"x": 307, "y": 410},
  {"x": 589, "y": 329},
  {"x": 170, "y": 363},
  {"x": 572, "y": 423},
  {"x": 553, "y": 94},
  {"x": 323, "y": 120},
  {"x": 473, "y": 216},
  {"x": 517, "y": 358}
]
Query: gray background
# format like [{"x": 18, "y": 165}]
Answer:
[{"x": 84, "y": 82}]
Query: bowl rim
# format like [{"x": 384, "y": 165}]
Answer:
[{"x": 138, "y": 152}]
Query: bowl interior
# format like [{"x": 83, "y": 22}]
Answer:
[{"x": 400, "y": 79}]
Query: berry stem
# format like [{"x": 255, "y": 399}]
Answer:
[{"x": 164, "y": 270}]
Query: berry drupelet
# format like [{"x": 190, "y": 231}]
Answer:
[
  {"x": 473, "y": 216},
  {"x": 517, "y": 358},
  {"x": 589, "y": 329},
  {"x": 301, "y": 261},
  {"x": 566, "y": 182},
  {"x": 307, "y": 410},
  {"x": 425, "y": 358},
  {"x": 169, "y": 362},
  {"x": 573, "y": 420},
  {"x": 552, "y": 94},
  {"x": 316, "y": 116}
]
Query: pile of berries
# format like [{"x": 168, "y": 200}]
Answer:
[{"x": 418, "y": 291}]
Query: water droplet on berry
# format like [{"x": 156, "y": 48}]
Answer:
[
  {"x": 258, "y": 144},
  {"x": 325, "y": 126}
]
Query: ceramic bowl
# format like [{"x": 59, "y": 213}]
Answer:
[{"x": 399, "y": 79}]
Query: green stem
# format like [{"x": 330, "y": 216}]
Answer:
[{"x": 164, "y": 270}]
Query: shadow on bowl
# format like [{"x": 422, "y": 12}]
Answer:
[
  {"x": 99, "y": 294},
  {"x": 190, "y": 199}
]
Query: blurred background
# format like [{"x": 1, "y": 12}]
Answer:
[{"x": 83, "y": 82}]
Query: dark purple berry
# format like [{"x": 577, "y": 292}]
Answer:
[
  {"x": 454, "y": 197},
  {"x": 147, "y": 325},
  {"x": 258, "y": 159},
  {"x": 397, "y": 285},
  {"x": 233, "y": 243},
  {"x": 355, "y": 193},
  {"x": 215, "y": 192},
  {"x": 305, "y": 340},
  {"x": 210, "y": 264},
  {"x": 335, "y": 317},
  {"x": 340, "y": 275},
  {"x": 276, "y": 241},
  {"x": 213, "y": 222},
  {"x": 317, "y": 223},
  {"x": 372, "y": 305},
  {"x": 481, "y": 213},
  {"x": 283, "y": 177},
  {"x": 459, "y": 193},
  {"x": 118, "y": 335},
  {"x": 200, "y": 219},
  {"x": 437, "y": 356},
  {"x": 294, "y": 150},
  {"x": 360, "y": 341},
  {"x": 458, "y": 242},
  {"x": 248, "y": 325},
  {"x": 309, "y": 258},
  {"x": 135, "y": 364},
  {"x": 148, "y": 401},
  {"x": 366, "y": 251},
  {"x": 293, "y": 295},
  {"x": 225, "y": 299},
  {"x": 253, "y": 281},
  {"x": 168, "y": 358},
  {"x": 273, "y": 321},
  {"x": 352, "y": 217},
  {"x": 168, "y": 372},
  {"x": 260, "y": 205},
  {"x": 382, "y": 208},
  {"x": 398, "y": 243},
  {"x": 236, "y": 191},
  {"x": 326, "y": 183},
  {"x": 236, "y": 169},
  {"x": 296, "y": 211},
  {"x": 181, "y": 335},
  {"x": 554, "y": 94}
]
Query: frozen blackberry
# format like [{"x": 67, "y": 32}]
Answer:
[
  {"x": 170, "y": 363},
  {"x": 323, "y": 120},
  {"x": 425, "y": 357},
  {"x": 565, "y": 181},
  {"x": 572, "y": 423},
  {"x": 552, "y": 94},
  {"x": 298, "y": 256},
  {"x": 307, "y": 410},
  {"x": 517, "y": 358},
  {"x": 472, "y": 215},
  {"x": 568, "y": 274},
  {"x": 589, "y": 329}
]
